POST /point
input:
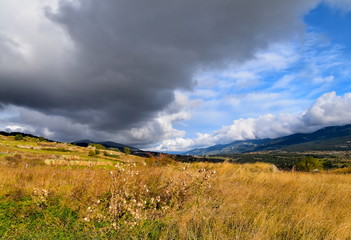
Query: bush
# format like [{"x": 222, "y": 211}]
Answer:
[
  {"x": 308, "y": 164},
  {"x": 97, "y": 152},
  {"x": 18, "y": 137},
  {"x": 160, "y": 160},
  {"x": 91, "y": 153},
  {"x": 97, "y": 146},
  {"x": 114, "y": 149},
  {"x": 41, "y": 139},
  {"x": 328, "y": 165}
]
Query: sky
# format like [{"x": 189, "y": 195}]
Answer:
[{"x": 174, "y": 75}]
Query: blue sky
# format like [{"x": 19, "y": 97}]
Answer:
[
  {"x": 199, "y": 75},
  {"x": 288, "y": 77}
]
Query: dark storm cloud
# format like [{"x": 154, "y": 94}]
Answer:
[{"x": 129, "y": 55}]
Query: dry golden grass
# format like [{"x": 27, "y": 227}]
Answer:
[
  {"x": 195, "y": 201},
  {"x": 159, "y": 198}
]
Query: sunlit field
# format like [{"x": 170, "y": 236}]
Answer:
[{"x": 158, "y": 198}]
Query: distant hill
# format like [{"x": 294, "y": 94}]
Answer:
[
  {"x": 335, "y": 138},
  {"x": 23, "y": 134},
  {"x": 107, "y": 144},
  {"x": 85, "y": 143},
  {"x": 234, "y": 147}
]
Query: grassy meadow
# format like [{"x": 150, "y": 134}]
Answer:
[{"x": 59, "y": 191}]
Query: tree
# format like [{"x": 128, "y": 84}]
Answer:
[
  {"x": 308, "y": 164},
  {"x": 126, "y": 150}
]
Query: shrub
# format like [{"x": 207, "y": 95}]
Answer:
[
  {"x": 97, "y": 152},
  {"x": 18, "y": 137},
  {"x": 160, "y": 160},
  {"x": 328, "y": 165},
  {"x": 114, "y": 149},
  {"x": 91, "y": 153},
  {"x": 97, "y": 146},
  {"x": 42, "y": 139},
  {"x": 308, "y": 164}
]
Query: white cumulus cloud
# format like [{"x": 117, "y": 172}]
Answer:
[{"x": 329, "y": 109}]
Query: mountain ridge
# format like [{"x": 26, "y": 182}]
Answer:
[{"x": 332, "y": 138}]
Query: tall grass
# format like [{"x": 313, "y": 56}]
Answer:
[{"x": 175, "y": 201}]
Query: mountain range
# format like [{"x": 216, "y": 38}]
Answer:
[{"x": 335, "y": 138}]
